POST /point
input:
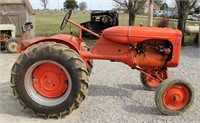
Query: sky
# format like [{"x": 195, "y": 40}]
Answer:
[{"x": 92, "y": 4}]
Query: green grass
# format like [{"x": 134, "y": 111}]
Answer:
[
  {"x": 187, "y": 38},
  {"x": 49, "y": 24}
]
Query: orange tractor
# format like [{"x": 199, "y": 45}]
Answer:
[{"x": 51, "y": 76}]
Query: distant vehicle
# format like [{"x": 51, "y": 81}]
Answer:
[
  {"x": 174, "y": 16},
  {"x": 101, "y": 20},
  {"x": 195, "y": 17},
  {"x": 7, "y": 38},
  {"x": 190, "y": 17},
  {"x": 158, "y": 13}
]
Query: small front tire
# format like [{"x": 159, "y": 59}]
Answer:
[{"x": 174, "y": 96}]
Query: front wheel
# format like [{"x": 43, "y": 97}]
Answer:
[
  {"x": 11, "y": 45},
  {"x": 174, "y": 96},
  {"x": 50, "y": 80},
  {"x": 153, "y": 83}
]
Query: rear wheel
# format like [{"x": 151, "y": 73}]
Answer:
[
  {"x": 152, "y": 83},
  {"x": 11, "y": 45},
  {"x": 174, "y": 96},
  {"x": 50, "y": 80}
]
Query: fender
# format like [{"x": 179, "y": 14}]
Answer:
[{"x": 69, "y": 40}]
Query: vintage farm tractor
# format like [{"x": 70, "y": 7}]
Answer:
[{"x": 51, "y": 76}]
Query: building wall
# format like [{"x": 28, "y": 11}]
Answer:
[
  {"x": 31, "y": 18},
  {"x": 18, "y": 14},
  {"x": 11, "y": 1}
]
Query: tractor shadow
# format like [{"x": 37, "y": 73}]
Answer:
[
  {"x": 189, "y": 51},
  {"x": 141, "y": 109},
  {"x": 9, "y": 104},
  {"x": 4, "y": 52},
  {"x": 124, "y": 91}
]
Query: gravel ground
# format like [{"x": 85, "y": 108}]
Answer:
[{"x": 115, "y": 95}]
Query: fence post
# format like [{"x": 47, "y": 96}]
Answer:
[
  {"x": 198, "y": 42},
  {"x": 150, "y": 18}
]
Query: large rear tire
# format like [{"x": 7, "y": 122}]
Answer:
[
  {"x": 174, "y": 96},
  {"x": 49, "y": 79}
]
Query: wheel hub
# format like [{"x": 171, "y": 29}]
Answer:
[
  {"x": 176, "y": 97},
  {"x": 50, "y": 80},
  {"x": 13, "y": 46}
]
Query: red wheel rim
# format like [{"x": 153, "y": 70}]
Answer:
[
  {"x": 155, "y": 82},
  {"x": 50, "y": 80},
  {"x": 176, "y": 97}
]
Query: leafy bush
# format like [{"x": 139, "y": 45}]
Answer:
[{"x": 164, "y": 22}]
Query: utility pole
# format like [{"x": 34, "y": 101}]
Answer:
[
  {"x": 150, "y": 17},
  {"x": 198, "y": 40}
]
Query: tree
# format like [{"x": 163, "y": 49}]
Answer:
[
  {"x": 158, "y": 2},
  {"x": 184, "y": 6},
  {"x": 132, "y": 6},
  {"x": 83, "y": 6},
  {"x": 164, "y": 6},
  {"x": 44, "y": 3},
  {"x": 70, "y": 4}
]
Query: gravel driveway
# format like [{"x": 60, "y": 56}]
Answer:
[{"x": 115, "y": 95}]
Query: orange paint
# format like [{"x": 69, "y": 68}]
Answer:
[
  {"x": 123, "y": 44},
  {"x": 176, "y": 97},
  {"x": 135, "y": 34},
  {"x": 50, "y": 80}
]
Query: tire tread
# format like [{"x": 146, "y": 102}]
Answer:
[{"x": 63, "y": 51}]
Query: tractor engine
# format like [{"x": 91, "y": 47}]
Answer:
[
  {"x": 151, "y": 47},
  {"x": 152, "y": 53}
]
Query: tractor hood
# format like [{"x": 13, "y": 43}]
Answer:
[{"x": 136, "y": 34}]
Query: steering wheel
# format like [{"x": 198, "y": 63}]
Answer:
[{"x": 64, "y": 22}]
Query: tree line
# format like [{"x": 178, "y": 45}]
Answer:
[{"x": 68, "y": 4}]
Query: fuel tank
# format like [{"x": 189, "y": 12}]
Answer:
[{"x": 136, "y": 34}]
